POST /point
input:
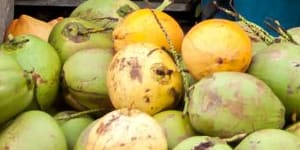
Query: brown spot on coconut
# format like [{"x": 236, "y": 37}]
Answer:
[
  {"x": 124, "y": 129},
  {"x": 156, "y": 73},
  {"x": 276, "y": 67},
  {"x": 222, "y": 105}
]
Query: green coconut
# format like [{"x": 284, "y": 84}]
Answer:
[
  {"x": 279, "y": 67},
  {"x": 230, "y": 103},
  {"x": 269, "y": 139},
  {"x": 84, "y": 75},
  {"x": 40, "y": 60},
  {"x": 202, "y": 143},
  {"x": 33, "y": 130},
  {"x": 72, "y": 127},
  {"x": 176, "y": 126},
  {"x": 105, "y": 13},
  {"x": 75, "y": 34},
  {"x": 16, "y": 88}
]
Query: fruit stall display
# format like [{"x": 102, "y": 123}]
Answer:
[{"x": 115, "y": 75}]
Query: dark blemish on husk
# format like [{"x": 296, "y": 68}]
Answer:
[
  {"x": 75, "y": 32},
  {"x": 114, "y": 64},
  {"x": 290, "y": 90},
  {"x": 147, "y": 90},
  {"x": 103, "y": 127},
  {"x": 149, "y": 136},
  {"x": 122, "y": 144},
  {"x": 236, "y": 108},
  {"x": 219, "y": 60},
  {"x": 6, "y": 148},
  {"x": 133, "y": 138},
  {"x": 122, "y": 64},
  {"x": 135, "y": 73},
  {"x": 161, "y": 73},
  {"x": 146, "y": 99},
  {"x": 211, "y": 101},
  {"x": 296, "y": 64},
  {"x": 174, "y": 93},
  {"x": 204, "y": 146}
]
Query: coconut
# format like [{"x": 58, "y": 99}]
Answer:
[
  {"x": 144, "y": 76},
  {"x": 16, "y": 88},
  {"x": 142, "y": 26},
  {"x": 33, "y": 130},
  {"x": 270, "y": 139},
  {"x": 176, "y": 126},
  {"x": 75, "y": 34},
  {"x": 230, "y": 103},
  {"x": 72, "y": 126},
  {"x": 202, "y": 143},
  {"x": 279, "y": 67},
  {"x": 84, "y": 75},
  {"x": 105, "y": 13},
  {"x": 216, "y": 45},
  {"x": 123, "y": 129},
  {"x": 40, "y": 60}
]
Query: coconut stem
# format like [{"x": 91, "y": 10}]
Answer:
[
  {"x": 260, "y": 32},
  {"x": 276, "y": 26},
  {"x": 177, "y": 59},
  {"x": 164, "y": 5},
  {"x": 75, "y": 115},
  {"x": 90, "y": 31}
]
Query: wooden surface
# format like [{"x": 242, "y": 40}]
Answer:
[
  {"x": 6, "y": 15},
  {"x": 176, "y": 6}
]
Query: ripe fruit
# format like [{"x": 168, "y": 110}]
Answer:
[
  {"x": 141, "y": 26},
  {"x": 216, "y": 45}
]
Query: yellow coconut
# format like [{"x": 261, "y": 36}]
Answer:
[
  {"x": 144, "y": 76},
  {"x": 141, "y": 26},
  {"x": 216, "y": 45},
  {"x": 124, "y": 129}
]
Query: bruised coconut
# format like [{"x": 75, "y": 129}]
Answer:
[
  {"x": 84, "y": 75},
  {"x": 144, "y": 76},
  {"x": 74, "y": 34},
  {"x": 279, "y": 67},
  {"x": 230, "y": 103},
  {"x": 270, "y": 139},
  {"x": 124, "y": 129}
]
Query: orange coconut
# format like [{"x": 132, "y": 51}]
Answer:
[
  {"x": 29, "y": 25},
  {"x": 216, "y": 45},
  {"x": 141, "y": 26}
]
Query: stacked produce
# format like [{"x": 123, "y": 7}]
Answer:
[{"x": 118, "y": 77}]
